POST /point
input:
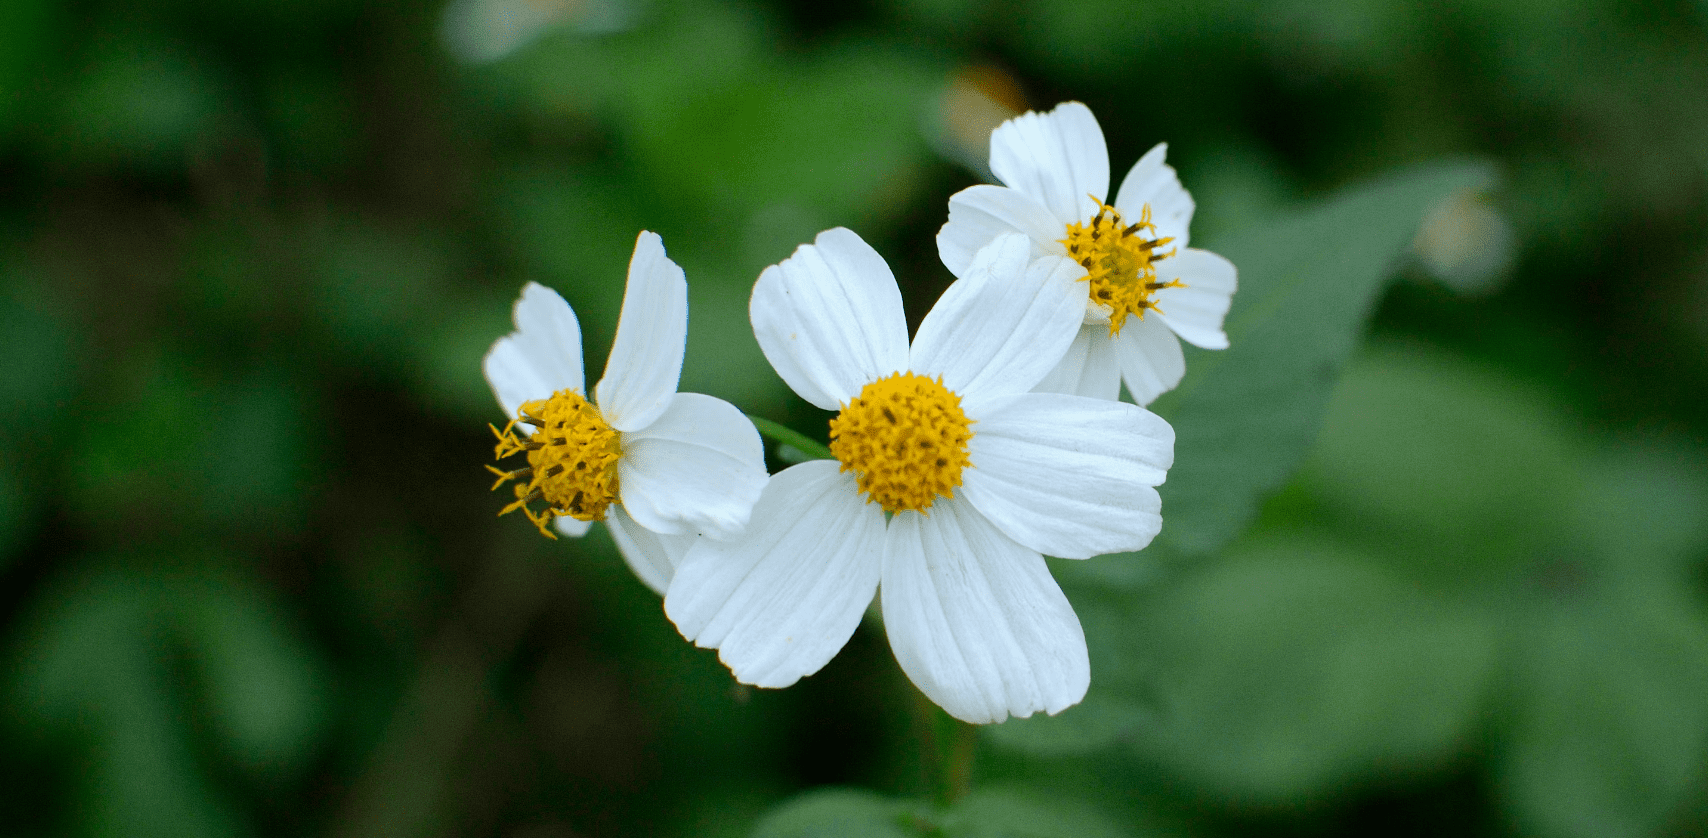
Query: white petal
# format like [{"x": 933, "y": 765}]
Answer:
[
  {"x": 652, "y": 556},
  {"x": 978, "y": 214},
  {"x": 646, "y": 356},
  {"x": 572, "y": 527},
  {"x": 541, "y": 357},
  {"x": 1057, "y": 158},
  {"x": 781, "y": 600},
  {"x": 829, "y": 318},
  {"x": 699, "y": 468},
  {"x": 975, "y": 619},
  {"x": 1196, "y": 311},
  {"x": 1002, "y": 327},
  {"x": 1150, "y": 358},
  {"x": 1153, "y": 182},
  {"x": 1088, "y": 369},
  {"x": 1070, "y": 476}
]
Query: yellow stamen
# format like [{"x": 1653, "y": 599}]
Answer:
[
  {"x": 1120, "y": 262},
  {"x": 905, "y": 438},
  {"x": 572, "y": 460}
]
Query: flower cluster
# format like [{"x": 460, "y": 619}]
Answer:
[{"x": 960, "y": 458}]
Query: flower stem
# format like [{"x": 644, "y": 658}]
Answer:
[
  {"x": 948, "y": 748},
  {"x": 804, "y": 446}
]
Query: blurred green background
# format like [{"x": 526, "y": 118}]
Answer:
[{"x": 252, "y": 252}]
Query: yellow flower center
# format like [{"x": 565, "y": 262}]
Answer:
[
  {"x": 905, "y": 438},
  {"x": 1120, "y": 261},
  {"x": 572, "y": 460}
]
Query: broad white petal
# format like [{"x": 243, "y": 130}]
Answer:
[
  {"x": 1088, "y": 369},
  {"x": 975, "y": 619},
  {"x": 1150, "y": 358},
  {"x": 829, "y": 318},
  {"x": 1057, "y": 158},
  {"x": 978, "y": 214},
  {"x": 1153, "y": 182},
  {"x": 652, "y": 556},
  {"x": 699, "y": 468},
  {"x": 1002, "y": 327},
  {"x": 652, "y": 333},
  {"x": 1196, "y": 311},
  {"x": 781, "y": 600},
  {"x": 1070, "y": 476},
  {"x": 572, "y": 527},
  {"x": 541, "y": 357}
]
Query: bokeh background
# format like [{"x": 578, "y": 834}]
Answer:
[{"x": 251, "y": 254}]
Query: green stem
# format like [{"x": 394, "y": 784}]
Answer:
[
  {"x": 948, "y": 746},
  {"x": 812, "y": 449}
]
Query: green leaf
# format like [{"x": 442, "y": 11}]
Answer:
[
  {"x": 1490, "y": 471},
  {"x": 1003, "y": 813},
  {"x": 1610, "y": 726},
  {"x": 1293, "y": 668},
  {"x": 1245, "y": 416},
  {"x": 843, "y": 813}
]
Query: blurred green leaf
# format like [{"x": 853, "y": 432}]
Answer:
[
  {"x": 95, "y": 664},
  {"x": 1291, "y": 669},
  {"x": 1610, "y": 726},
  {"x": 840, "y": 813},
  {"x": 1013, "y": 813},
  {"x": 1490, "y": 471},
  {"x": 136, "y": 102},
  {"x": 1245, "y": 416},
  {"x": 985, "y": 813}
]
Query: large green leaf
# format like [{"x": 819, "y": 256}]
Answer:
[
  {"x": 986, "y": 813},
  {"x": 842, "y": 813},
  {"x": 1245, "y": 416},
  {"x": 1609, "y": 727}
]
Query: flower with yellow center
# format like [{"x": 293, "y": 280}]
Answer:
[
  {"x": 1144, "y": 290},
  {"x": 659, "y": 467},
  {"x": 950, "y": 481}
]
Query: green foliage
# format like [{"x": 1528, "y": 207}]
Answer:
[
  {"x": 988, "y": 813},
  {"x": 1245, "y": 416}
]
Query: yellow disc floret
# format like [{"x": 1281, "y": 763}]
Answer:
[
  {"x": 905, "y": 438},
  {"x": 1120, "y": 261},
  {"x": 572, "y": 460}
]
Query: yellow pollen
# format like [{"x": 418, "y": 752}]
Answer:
[
  {"x": 1120, "y": 261},
  {"x": 905, "y": 438},
  {"x": 572, "y": 460}
]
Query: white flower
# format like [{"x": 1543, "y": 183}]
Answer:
[
  {"x": 1132, "y": 254},
  {"x": 656, "y": 465},
  {"x": 980, "y": 475}
]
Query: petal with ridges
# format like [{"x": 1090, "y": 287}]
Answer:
[
  {"x": 781, "y": 600},
  {"x": 1150, "y": 358},
  {"x": 1088, "y": 369},
  {"x": 1070, "y": 476},
  {"x": 1151, "y": 181},
  {"x": 1002, "y": 327},
  {"x": 978, "y": 214},
  {"x": 975, "y": 619},
  {"x": 829, "y": 318},
  {"x": 646, "y": 355},
  {"x": 1056, "y": 158},
  {"x": 541, "y": 357},
  {"x": 1195, "y": 312},
  {"x": 652, "y": 556},
  {"x": 698, "y": 468}
]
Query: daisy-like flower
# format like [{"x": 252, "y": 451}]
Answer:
[
  {"x": 950, "y": 481},
  {"x": 1141, "y": 285},
  {"x": 657, "y": 466}
]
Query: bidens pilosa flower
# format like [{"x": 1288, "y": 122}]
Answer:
[
  {"x": 1140, "y": 283},
  {"x": 657, "y": 466},
  {"x": 950, "y": 481}
]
